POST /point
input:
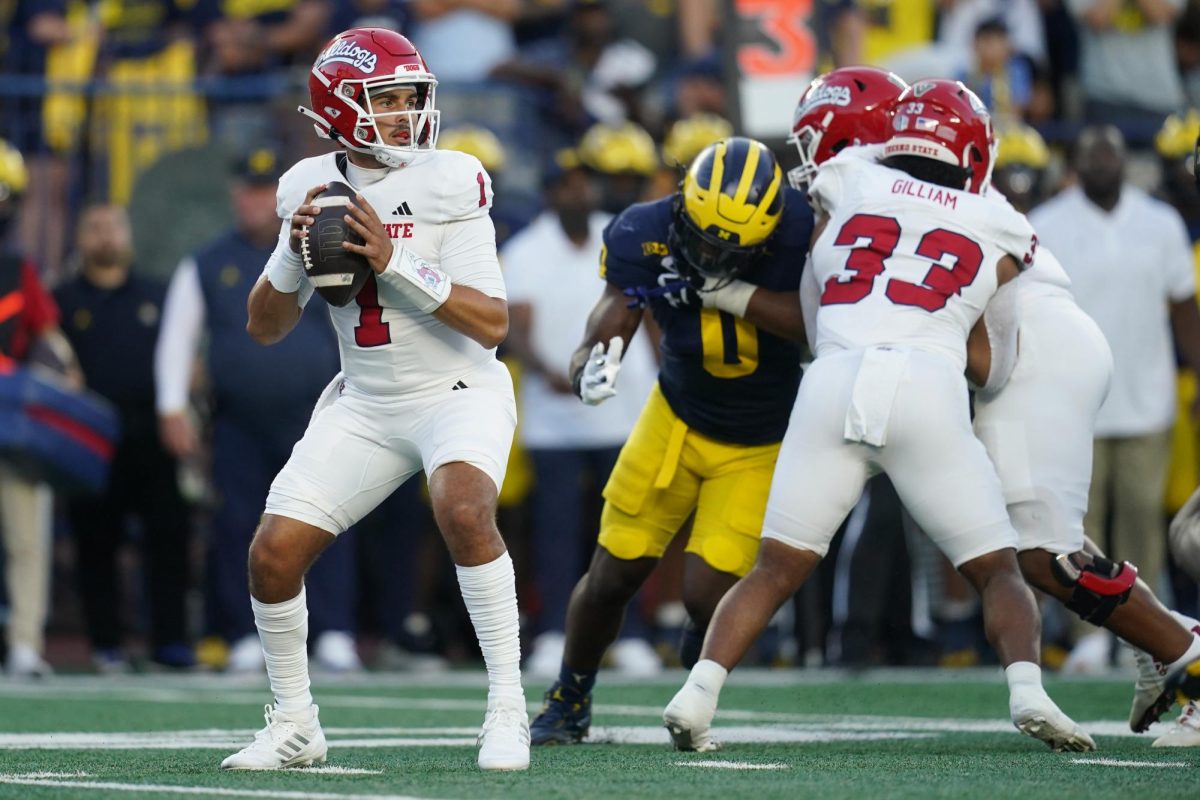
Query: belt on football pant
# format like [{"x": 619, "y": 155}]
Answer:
[{"x": 666, "y": 473}]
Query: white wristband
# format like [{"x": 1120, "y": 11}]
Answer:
[
  {"x": 422, "y": 283},
  {"x": 732, "y": 298},
  {"x": 285, "y": 270}
]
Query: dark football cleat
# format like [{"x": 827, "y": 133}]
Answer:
[
  {"x": 1184, "y": 683},
  {"x": 564, "y": 719}
]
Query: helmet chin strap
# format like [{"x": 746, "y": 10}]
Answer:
[{"x": 386, "y": 156}]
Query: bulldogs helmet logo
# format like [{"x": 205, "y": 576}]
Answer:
[
  {"x": 350, "y": 53},
  {"x": 826, "y": 95}
]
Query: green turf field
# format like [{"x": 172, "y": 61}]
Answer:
[{"x": 793, "y": 735}]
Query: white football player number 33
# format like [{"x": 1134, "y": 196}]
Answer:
[{"x": 866, "y": 262}]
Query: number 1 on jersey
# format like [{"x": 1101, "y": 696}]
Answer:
[{"x": 371, "y": 330}]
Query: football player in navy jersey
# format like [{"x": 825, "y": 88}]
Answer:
[{"x": 718, "y": 264}]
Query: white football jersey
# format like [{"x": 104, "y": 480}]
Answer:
[
  {"x": 1046, "y": 268},
  {"x": 436, "y": 206},
  {"x": 905, "y": 262}
]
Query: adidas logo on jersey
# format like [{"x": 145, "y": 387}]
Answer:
[{"x": 402, "y": 210}]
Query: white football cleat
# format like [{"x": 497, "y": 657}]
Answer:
[
  {"x": 688, "y": 718},
  {"x": 545, "y": 659},
  {"x": 25, "y": 662},
  {"x": 1035, "y": 714},
  {"x": 335, "y": 652},
  {"x": 1186, "y": 730},
  {"x": 1090, "y": 656},
  {"x": 504, "y": 740},
  {"x": 246, "y": 655},
  {"x": 289, "y": 740},
  {"x": 1150, "y": 698},
  {"x": 635, "y": 657}
]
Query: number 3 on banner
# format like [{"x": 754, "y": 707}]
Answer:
[{"x": 791, "y": 49}]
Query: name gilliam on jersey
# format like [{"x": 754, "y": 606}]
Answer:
[{"x": 923, "y": 191}]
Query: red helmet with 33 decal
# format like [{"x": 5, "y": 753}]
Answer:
[
  {"x": 848, "y": 106},
  {"x": 352, "y": 68},
  {"x": 945, "y": 121}
]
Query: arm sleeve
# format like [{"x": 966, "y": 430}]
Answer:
[
  {"x": 178, "y": 338},
  {"x": 1001, "y": 320},
  {"x": 1179, "y": 260},
  {"x": 468, "y": 253},
  {"x": 810, "y": 301},
  {"x": 41, "y": 312},
  {"x": 283, "y": 252}
]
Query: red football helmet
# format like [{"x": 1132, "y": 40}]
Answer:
[
  {"x": 354, "y": 66},
  {"x": 847, "y": 106},
  {"x": 945, "y": 121}
]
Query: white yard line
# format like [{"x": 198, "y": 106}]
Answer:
[
  {"x": 327, "y": 770},
  {"x": 730, "y": 765},
  {"x": 833, "y": 722},
  {"x": 214, "y": 791},
  {"x": 1114, "y": 762}
]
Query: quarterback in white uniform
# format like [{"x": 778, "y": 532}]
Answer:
[
  {"x": 420, "y": 386},
  {"x": 908, "y": 257}
]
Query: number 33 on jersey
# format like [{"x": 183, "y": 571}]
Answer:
[{"x": 906, "y": 262}]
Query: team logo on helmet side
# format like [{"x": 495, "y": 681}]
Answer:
[
  {"x": 826, "y": 95},
  {"x": 351, "y": 53}
]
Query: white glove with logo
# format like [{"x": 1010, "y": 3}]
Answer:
[{"x": 599, "y": 379}]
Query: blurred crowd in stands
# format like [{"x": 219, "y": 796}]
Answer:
[{"x": 144, "y": 139}]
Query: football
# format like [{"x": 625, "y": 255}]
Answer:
[{"x": 337, "y": 274}]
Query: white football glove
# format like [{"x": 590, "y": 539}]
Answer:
[
  {"x": 599, "y": 380},
  {"x": 733, "y": 297}
]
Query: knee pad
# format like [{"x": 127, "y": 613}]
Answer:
[
  {"x": 1099, "y": 585},
  {"x": 626, "y": 545}
]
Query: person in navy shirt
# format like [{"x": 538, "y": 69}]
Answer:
[
  {"x": 261, "y": 400},
  {"x": 111, "y": 317}
]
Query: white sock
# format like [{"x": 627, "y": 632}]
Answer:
[
  {"x": 1025, "y": 690},
  {"x": 1193, "y": 652},
  {"x": 1022, "y": 674},
  {"x": 696, "y": 703},
  {"x": 1191, "y": 624},
  {"x": 490, "y": 592},
  {"x": 283, "y": 630},
  {"x": 708, "y": 676}
]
